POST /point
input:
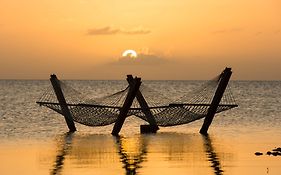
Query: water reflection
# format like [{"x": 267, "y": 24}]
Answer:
[
  {"x": 65, "y": 148},
  {"x": 212, "y": 155},
  {"x": 132, "y": 153},
  {"x": 162, "y": 152}
]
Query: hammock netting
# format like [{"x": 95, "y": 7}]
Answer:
[{"x": 167, "y": 112}]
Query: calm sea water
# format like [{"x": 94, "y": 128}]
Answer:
[{"x": 34, "y": 139}]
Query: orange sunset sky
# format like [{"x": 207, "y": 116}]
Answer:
[{"x": 179, "y": 39}]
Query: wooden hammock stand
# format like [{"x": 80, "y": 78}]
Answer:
[{"x": 134, "y": 92}]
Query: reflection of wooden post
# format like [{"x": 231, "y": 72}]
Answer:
[
  {"x": 144, "y": 107},
  {"x": 66, "y": 146},
  {"x": 224, "y": 79},
  {"x": 64, "y": 108},
  {"x": 131, "y": 161},
  {"x": 212, "y": 156},
  {"x": 133, "y": 89}
]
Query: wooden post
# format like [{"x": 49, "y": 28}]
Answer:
[
  {"x": 65, "y": 111},
  {"x": 144, "y": 107},
  {"x": 133, "y": 89},
  {"x": 224, "y": 79}
]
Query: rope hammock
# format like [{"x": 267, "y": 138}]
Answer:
[{"x": 167, "y": 112}]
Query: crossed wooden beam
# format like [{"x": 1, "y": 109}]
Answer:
[{"x": 134, "y": 84}]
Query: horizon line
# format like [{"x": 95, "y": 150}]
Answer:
[{"x": 30, "y": 79}]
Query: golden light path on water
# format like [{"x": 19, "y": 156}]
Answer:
[{"x": 164, "y": 153}]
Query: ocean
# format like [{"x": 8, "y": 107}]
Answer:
[{"x": 34, "y": 139}]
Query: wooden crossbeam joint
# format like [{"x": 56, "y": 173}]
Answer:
[
  {"x": 126, "y": 106},
  {"x": 144, "y": 107}
]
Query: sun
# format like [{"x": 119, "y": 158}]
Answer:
[{"x": 130, "y": 53}]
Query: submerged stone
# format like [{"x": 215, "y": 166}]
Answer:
[
  {"x": 277, "y": 149},
  {"x": 258, "y": 153}
]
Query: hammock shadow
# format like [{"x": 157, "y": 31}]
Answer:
[{"x": 212, "y": 155}]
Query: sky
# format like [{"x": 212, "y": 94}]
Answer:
[{"x": 175, "y": 40}]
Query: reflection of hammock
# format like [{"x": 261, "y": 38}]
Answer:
[
  {"x": 166, "y": 112},
  {"x": 133, "y": 151}
]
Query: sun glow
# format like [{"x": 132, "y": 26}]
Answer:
[{"x": 130, "y": 53}]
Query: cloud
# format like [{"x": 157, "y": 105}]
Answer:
[
  {"x": 103, "y": 31},
  {"x": 154, "y": 67},
  {"x": 136, "y": 31},
  {"x": 232, "y": 30},
  {"x": 141, "y": 60},
  {"x": 113, "y": 31}
]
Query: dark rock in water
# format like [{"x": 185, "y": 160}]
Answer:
[
  {"x": 258, "y": 153},
  {"x": 274, "y": 152},
  {"x": 277, "y": 149}
]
